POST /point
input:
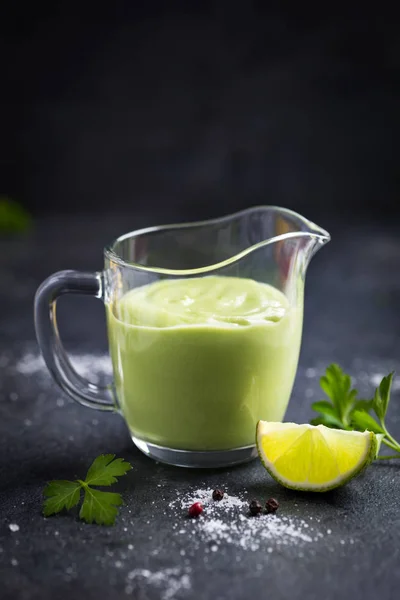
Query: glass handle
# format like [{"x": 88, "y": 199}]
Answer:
[{"x": 56, "y": 359}]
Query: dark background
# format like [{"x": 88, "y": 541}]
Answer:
[
  {"x": 147, "y": 112},
  {"x": 193, "y": 109}
]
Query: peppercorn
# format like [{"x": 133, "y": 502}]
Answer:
[
  {"x": 271, "y": 505},
  {"x": 195, "y": 510},
  {"x": 217, "y": 495},
  {"x": 255, "y": 508}
]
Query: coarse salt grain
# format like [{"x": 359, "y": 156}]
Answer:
[{"x": 13, "y": 527}]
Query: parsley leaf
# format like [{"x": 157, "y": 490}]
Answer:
[
  {"x": 382, "y": 396},
  {"x": 337, "y": 386},
  {"x": 329, "y": 415},
  {"x": 61, "y": 494},
  {"x": 343, "y": 410},
  {"x": 98, "y": 506},
  {"x": 13, "y": 217},
  {"x": 361, "y": 421},
  {"x": 105, "y": 470}
]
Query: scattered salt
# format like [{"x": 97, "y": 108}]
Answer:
[
  {"x": 310, "y": 373},
  {"x": 14, "y": 562},
  {"x": 30, "y": 364},
  {"x": 88, "y": 365},
  {"x": 227, "y": 523},
  {"x": 13, "y": 527},
  {"x": 170, "y": 582},
  {"x": 205, "y": 497}
]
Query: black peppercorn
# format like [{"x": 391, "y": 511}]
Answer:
[
  {"x": 217, "y": 495},
  {"x": 271, "y": 505},
  {"x": 255, "y": 508}
]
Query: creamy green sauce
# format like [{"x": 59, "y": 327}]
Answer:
[{"x": 198, "y": 362}]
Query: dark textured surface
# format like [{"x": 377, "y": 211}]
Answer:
[
  {"x": 352, "y": 316},
  {"x": 185, "y": 105}
]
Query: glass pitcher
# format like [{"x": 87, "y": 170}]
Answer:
[{"x": 204, "y": 326}]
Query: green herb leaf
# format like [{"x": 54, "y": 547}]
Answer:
[
  {"x": 327, "y": 421},
  {"x": 366, "y": 405},
  {"x": 382, "y": 397},
  {"x": 324, "y": 406},
  {"x": 13, "y": 217},
  {"x": 361, "y": 421},
  {"x": 345, "y": 411},
  {"x": 60, "y": 494},
  {"x": 98, "y": 506},
  {"x": 337, "y": 386},
  {"x": 105, "y": 470},
  {"x": 328, "y": 414}
]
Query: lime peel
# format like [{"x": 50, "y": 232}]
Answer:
[{"x": 313, "y": 458}]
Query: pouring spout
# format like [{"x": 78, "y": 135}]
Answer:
[
  {"x": 297, "y": 240},
  {"x": 320, "y": 235},
  {"x": 295, "y": 223},
  {"x": 318, "y": 238}
]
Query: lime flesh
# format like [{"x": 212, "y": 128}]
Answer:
[{"x": 313, "y": 458}]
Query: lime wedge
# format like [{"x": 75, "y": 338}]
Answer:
[{"x": 313, "y": 458}]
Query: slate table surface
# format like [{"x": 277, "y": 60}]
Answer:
[{"x": 352, "y": 316}]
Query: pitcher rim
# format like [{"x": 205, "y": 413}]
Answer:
[{"x": 314, "y": 231}]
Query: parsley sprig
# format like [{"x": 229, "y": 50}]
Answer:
[
  {"x": 97, "y": 506},
  {"x": 13, "y": 217},
  {"x": 344, "y": 410}
]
